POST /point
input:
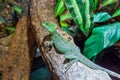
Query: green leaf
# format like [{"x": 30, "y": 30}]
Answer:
[
  {"x": 60, "y": 7},
  {"x": 64, "y": 24},
  {"x": 101, "y": 38},
  {"x": 11, "y": 29},
  {"x": 82, "y": 13},
  {"x": 17, "y": 9},
  {"x": 64, "y": 17},
  {"x": 116, "y": 13},
  {"x": 95, "y": 4},
  {"x": 2, "y": 20},
  {"x": 101, "y": 17},
  {"x": 108, "y": 2}
]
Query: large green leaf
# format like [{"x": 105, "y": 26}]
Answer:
[
  {"x": 108, "y": 2},
  {"x": 116, "y": 13},
  {"x": 101, "y": 37},
  {"x": 82, "y": 13},
  {"x": 101, "y": 17},
  {"x": 60, "y": 7}
]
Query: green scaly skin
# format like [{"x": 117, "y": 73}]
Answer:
[{"x": 71, "y": 51}]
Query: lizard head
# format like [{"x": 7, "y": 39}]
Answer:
[{"x": 49, "y": 26}]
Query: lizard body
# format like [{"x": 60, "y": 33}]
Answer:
[{"x": 71, "y": 51}]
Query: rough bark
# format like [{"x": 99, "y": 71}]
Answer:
[
  {"x": 43, "y": 10},
  {"x": 16, "y": 63}
]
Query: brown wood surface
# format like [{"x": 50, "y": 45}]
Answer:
[
  {"x": 43, "y": 10},
  {"x": 16, "y": 63}
]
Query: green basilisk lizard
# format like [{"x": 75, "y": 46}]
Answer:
[{"x": 70, "y": 50}]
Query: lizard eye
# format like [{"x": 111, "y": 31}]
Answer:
[{"x": 64, "y": 34}]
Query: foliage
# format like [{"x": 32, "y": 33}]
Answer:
[
  {"x": 10, "y": 20},
  {"x": 95, "y": 4},
  {"x": 11, "y": 29},
  {"x": 101, "y": 17},
  {"x": 63, "y": 18},
  {"x": 108, "y": 2},
  {"x": 17, "y": 9},
  {"x": 116, "y": 13},
  {"x": 102, "y": 37},
  {"x": 81, "y": 12},
  {"x": 60, "y": 7},
  {"x": 2, "y": 20}
]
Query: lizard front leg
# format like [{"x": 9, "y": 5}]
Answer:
[{"x": 73, "y": 58}]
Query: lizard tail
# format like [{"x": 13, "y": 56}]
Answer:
[
  {"x": 112, "y": 73},
  {"x": 92, "y": 65},
  {"x": 49, "y": 26}
]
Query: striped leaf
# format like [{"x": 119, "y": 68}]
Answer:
[
  {"x": 102, "y": 37},
  {"x": 60, "y": 7},
  {"x": 82, "y": 13},
  {"x": 101, "y": 17}
]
